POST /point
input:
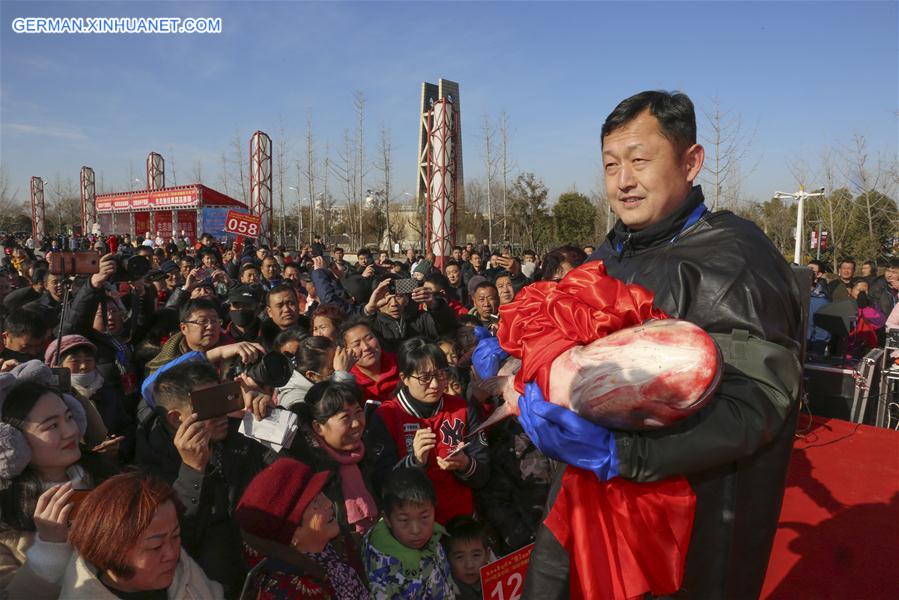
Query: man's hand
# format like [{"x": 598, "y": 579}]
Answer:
[
  {"x": 8, "y": 365},
  {"x": 249, "y": 352},
  {"x": 106, "y": 271},
  {"x": 51, "y": 515},
  {"x": 318, "y": 262},
  {"x": 379, "y": 297},
  {"x": 369, "y": 271},
  {"x": 192, "y": 443},
  {"x": 192, "y": 280},
  {"x": 425, "y": 440},
  {"x": 138, "y": 286},
  {"x": 344, "y": 359},
  {"x": 256, "y": 399},
  {"x": 423, "y": 295}
]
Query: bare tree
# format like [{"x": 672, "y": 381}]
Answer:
[
  {"x": 359, "y": 106},
  {"x": 170, "y": 167},
  {"x": 309, "y": 173},
  {"x": 327, "y": 199},
  {"x": 727, "y": 145},
  {"x": 345, "y": 171},
  {"x": 224, "y": 180},
  {"x": 489, "y": 174},
  {"x": 385, "y": 161},
  {"x": 238, "y": 148},
  {"x": 11, "y": 206},
  {"x": 282, "y": 169},
  {"x": 197, "y": 175},
  {"x": 506, "y": 166}
]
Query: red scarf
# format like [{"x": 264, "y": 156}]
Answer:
[{"x": 624, "y": 539}]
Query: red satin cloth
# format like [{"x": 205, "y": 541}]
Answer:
[{"x": 624, "y": 539}]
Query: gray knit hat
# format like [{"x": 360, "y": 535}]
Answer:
[{"x": 15, "y": 453}]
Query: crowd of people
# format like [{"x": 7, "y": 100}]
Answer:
[
  {"x": 199, "y": 420},
  {"x": 377, "y": 493},
  {"x": 875, "y": 309}
]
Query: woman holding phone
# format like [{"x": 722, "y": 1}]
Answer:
[
  {"x": 422, "y": 426},
  {"x": 42, "y": 469}
]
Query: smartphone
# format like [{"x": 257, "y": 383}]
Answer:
[
  {"x": 63, "y": 379},
  {"x": 217, "y": 400},
  {"x": 75, "y": 500},
  {"x": 370, "y": 407},
  {"x": 457, "y": 450},
  {"x": 404, "y": 286},
  {"x": 74, "y": 263}
]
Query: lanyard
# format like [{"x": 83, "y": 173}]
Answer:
[{"x": 691, "y": 220}]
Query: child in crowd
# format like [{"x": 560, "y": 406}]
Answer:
[
  {"x": 467, "y": 549},
  {"x": 402, "y": 554}
]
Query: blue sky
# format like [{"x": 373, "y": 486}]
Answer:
[{"x": 801, "y": 75}]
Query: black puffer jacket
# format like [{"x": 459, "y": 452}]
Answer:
[{"x": 723, "y": 274}]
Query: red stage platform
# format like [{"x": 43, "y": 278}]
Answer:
[{"x": 838, "y": 535}]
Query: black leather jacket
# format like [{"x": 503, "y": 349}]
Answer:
[{"x": 723, "y": 274}]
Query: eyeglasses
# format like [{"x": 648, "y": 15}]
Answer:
[
  {"x": 427, "y": 378},
  {"x": 203, "y": 323}
]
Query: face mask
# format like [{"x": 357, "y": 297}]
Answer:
[
  {"x": 85, "y": 380},
  {"x": 243, "y": 317}
]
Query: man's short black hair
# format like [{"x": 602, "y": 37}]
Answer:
[
  {"x": 196, "y": 305},
  {"x": 25, "y": 321},
  {"x": 484, "y": 284},
  {"x": 673, "y": 110},
  {"x": 406, "y": 486},
  {"x": 870, "y": 263},
  {"x": 439, "y": 280},
  {"x": 338, "y": 249},
  {"x": 40, "y": 274},
  {"x": 822, "y": 267},
  {"x": 463, "y": 528},
  {"x": 280, "y": 289},
  {"x": 352, "y": 323},
  {"x": 172, "y": 387},
  {"x": 847, "y": 259},
  {"x": 364, "y": 252}
]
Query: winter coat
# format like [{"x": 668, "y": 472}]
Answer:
[
  {"x": 512, "y": 500},
  {"x": 724, "y": 275},
  {"x": 208, "y": 532},
  {"x": 280, "y": 572},
  {"x": 430, "y": 324},
  {"x": 20, "y": 575},
  {"x": 430, "y": 579},
  {"x": 81, "y": 582},
  {"x": 297, "y": 387}
]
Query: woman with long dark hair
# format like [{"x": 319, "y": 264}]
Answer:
[{"x": 42, "y": 468}]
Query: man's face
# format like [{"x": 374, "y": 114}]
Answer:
[
  {"x": 847, "y": 270},
  {"x": 588, "y": 250},
  {"x": 202, "y": 330},
  {"x": 338, "y": 254},
  {"x": 291, "y": 273},
  {"x": 282, "y": 309},
  {"x": 365, "y": 259},
  {"x": 486, "y": 301},
  {"x": 494, "y": 260},
  {"x": 115, "y": 319},
  {"x": 505, "y": 290},
  {"x": 866, "y": 270},
  {"x": 249, "y": 276},
  {"x": 54, "y": 286},
  {"x": 270, "y": 268},
  {"x": 382, "y": 258},
  {"x": 26, "y": 344},
  {"x": 261, "y": 253},
  {"x": 476, "y": 261},
  {"x": 172, "y": 280},
  {"x": 365, "y": 346},
  {"x": 209, "y": 261},
  {"x": 816, "y": 272},
  {"x": 646, "y": 176},
  {"x": 453, "y": 274},
  {"x": 395, "y": 306},
  {"x": 186, "y": 267},
  {"x": 457, "y": 254}
]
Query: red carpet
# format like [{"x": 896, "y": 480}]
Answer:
[{"x": 838, "y": 535}]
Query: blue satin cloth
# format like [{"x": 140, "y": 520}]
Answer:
[
  {"x": 563, "y": 435},
  {"x": 488, "y": 354}
]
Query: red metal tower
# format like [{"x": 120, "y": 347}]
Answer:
[
  {"x": 38, "y": 222},
  {"x": 261, "y": 182},
  {"x": 88, "y": 200},
  {"x": 441, "y": 176}
]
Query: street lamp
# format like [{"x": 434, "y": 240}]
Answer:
[{"x": 801, "y": 195}]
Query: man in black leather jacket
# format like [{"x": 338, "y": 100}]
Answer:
[{"x": 722, "y": 273}]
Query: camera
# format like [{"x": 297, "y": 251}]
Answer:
[
  {"x": 130, "y": 268},
  {"x": 272, "y": 370}
]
